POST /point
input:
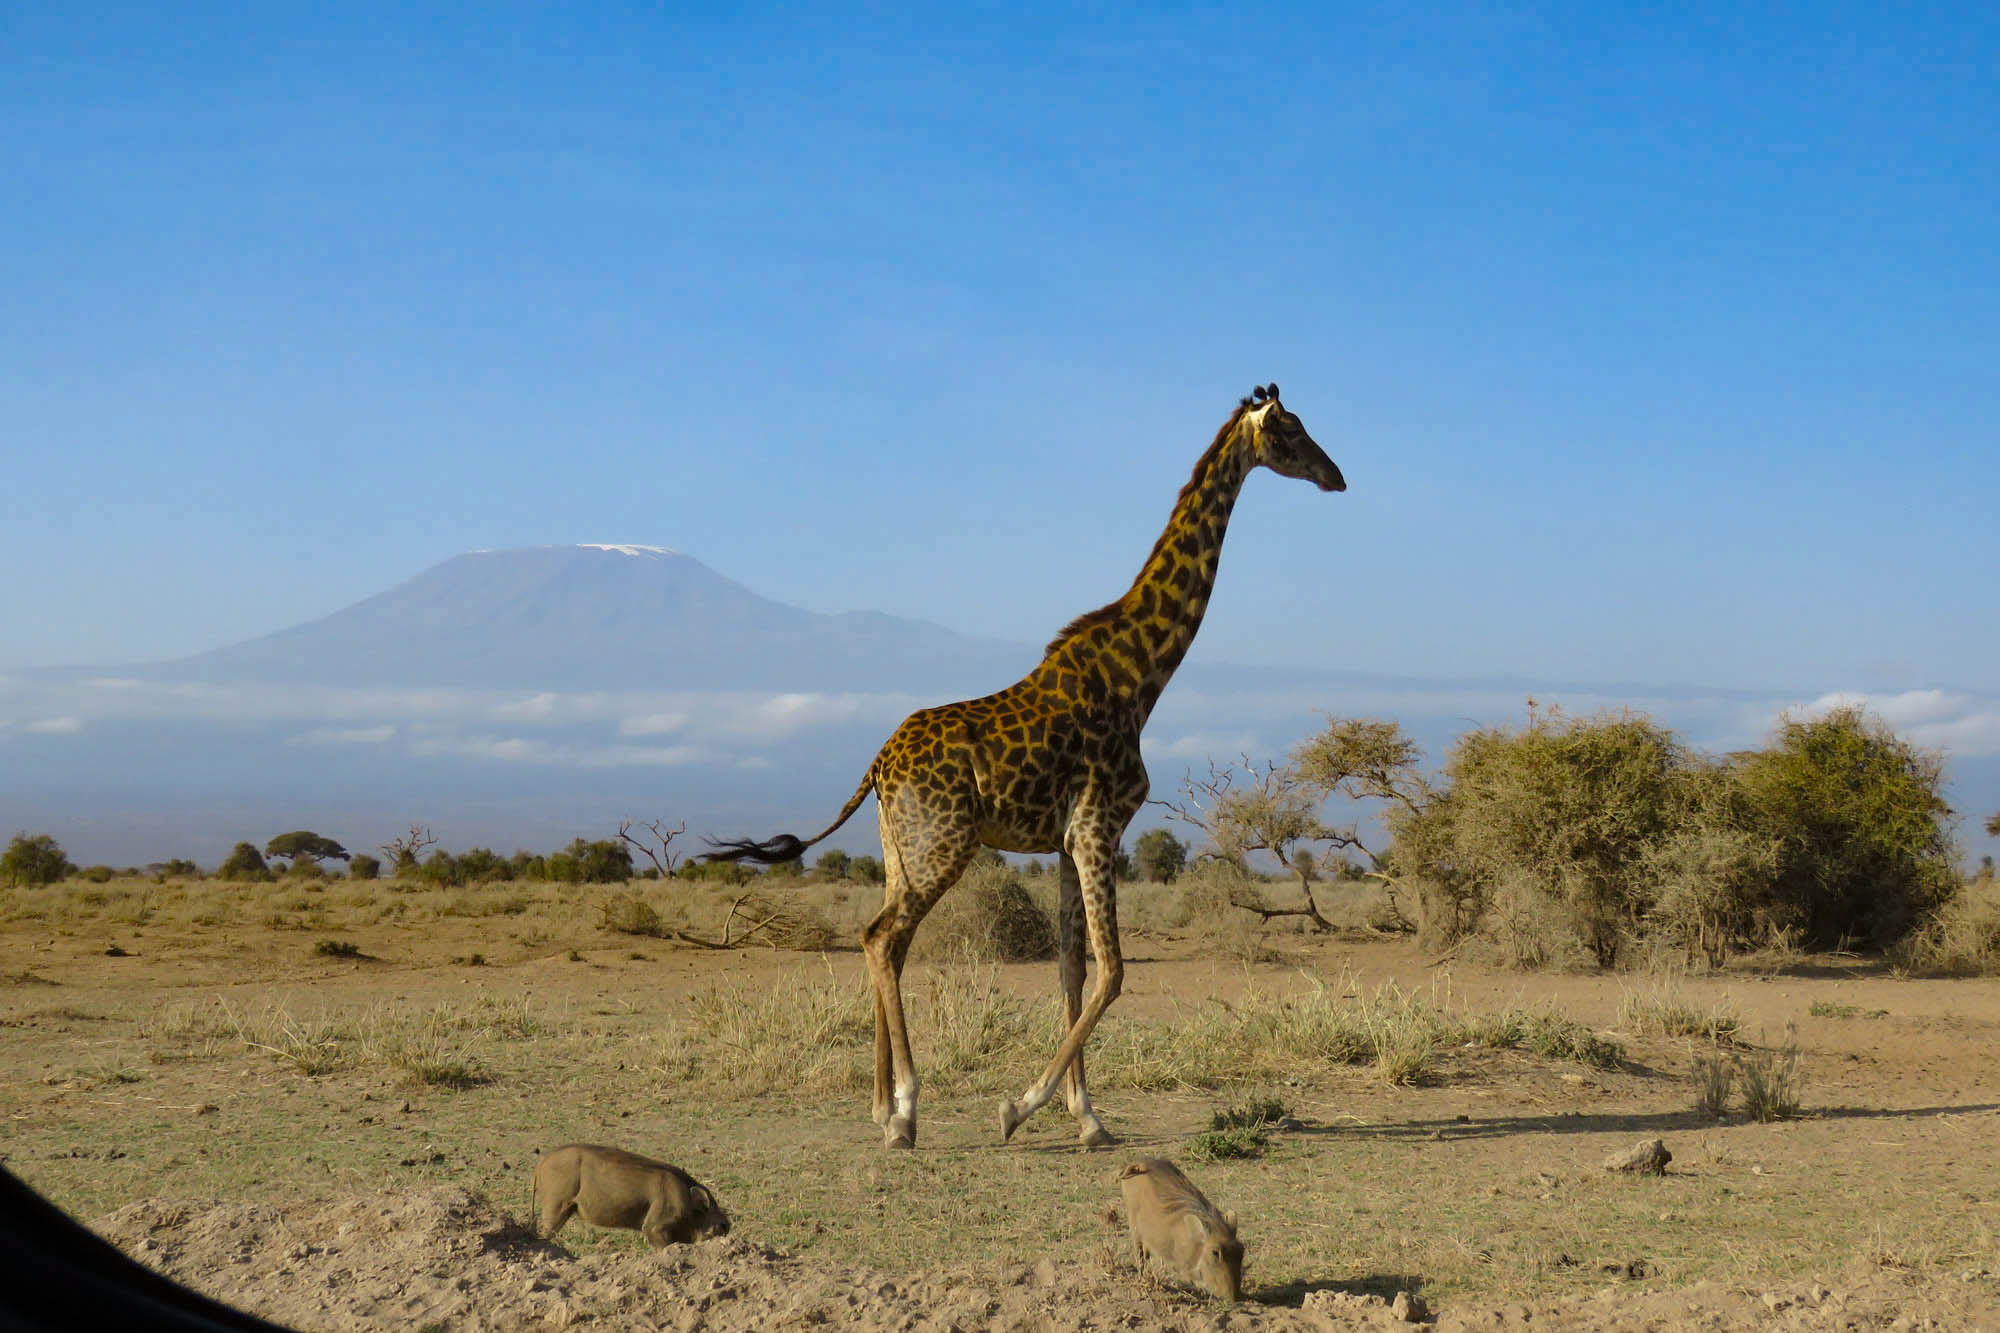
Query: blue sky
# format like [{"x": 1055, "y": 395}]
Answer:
[{"x": 1656, "y": 346}]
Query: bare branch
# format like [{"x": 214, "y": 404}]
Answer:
[
  {"x": 409, "y": 849},
  {"x": 664, "y": 859}
]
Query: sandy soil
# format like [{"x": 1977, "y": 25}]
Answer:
[
  {"x": 1920, "y": 1088},
  {"x": 447, "y": 1258}
]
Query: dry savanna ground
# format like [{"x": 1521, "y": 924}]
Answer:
[{"x": 323, "y": 1103}]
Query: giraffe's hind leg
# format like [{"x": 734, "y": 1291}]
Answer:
[
  {"x": 1091, "y": 1132},
  {"x": 913, "y": 884},
  {"x": 884, "y": 1064}
]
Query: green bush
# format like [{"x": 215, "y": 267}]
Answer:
[
  {"x": 244, "y": 864},
  {"x": 1859, "y": 814},
  {"x": 482, "y": 865},
  {"x": 34, "y": 860},
  {"x": 1561, "y": 814},
  {"x": 364, "y": 866},
  {"x": 1159, "y": 855}
]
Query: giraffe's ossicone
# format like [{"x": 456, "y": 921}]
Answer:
[{"x": 1050, "y": 764}]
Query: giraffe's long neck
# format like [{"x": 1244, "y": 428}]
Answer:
[{"x": 1137, "y": 642}]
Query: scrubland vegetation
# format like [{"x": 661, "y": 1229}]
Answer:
[{"x": 1563, "y": 842}]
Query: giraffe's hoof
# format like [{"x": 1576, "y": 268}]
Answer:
[
  {"x": 1011, "y": 1117},
  {"x": 900, "y": 1132},
  {"x": 1095, "y": 1135}
]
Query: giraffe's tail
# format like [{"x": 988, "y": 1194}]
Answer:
[{"x": 787, "y": 846}]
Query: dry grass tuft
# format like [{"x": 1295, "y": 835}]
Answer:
[
  {"x": 1962, "y": 939},
  {"x": 1714, "y": 1076},
  {"x": 1772, "y": 1080},
  {"x": 1665, "y": 1010}
]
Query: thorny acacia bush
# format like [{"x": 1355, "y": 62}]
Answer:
[
  {"x": 1551, "y": 825},
  {"x": 1582, "y": 838},
  {"x": 1867, "y": 850}
]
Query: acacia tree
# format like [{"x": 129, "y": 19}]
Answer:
[
  {"x": 1867, "y": 846},
  {"x": 1269, "y": 808},
  {"x": 34, "y": 860},
  {"x": 305, "y": 847},
  {"x": 1373, "y": 764}
]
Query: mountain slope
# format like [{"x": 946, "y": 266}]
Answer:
[{"x": 601, "y": 617}]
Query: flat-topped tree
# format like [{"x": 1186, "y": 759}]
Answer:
[
  {"x": 1051, "y": 764},
  {"x": 305, "y": 848}
]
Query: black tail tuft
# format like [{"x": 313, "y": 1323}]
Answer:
[{"x": 771, "y": 852}]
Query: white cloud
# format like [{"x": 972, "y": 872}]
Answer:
[
  {"x": 1223, "y": 747},
  {"x": 56, "y": 726},
  {"x": 782, "y": 715},
  {"x": 534, "y": 709},
  {"x": 528, "y": 750},
  {"x": 652, "y": 724},
  {"x": 344, "y": 735}
]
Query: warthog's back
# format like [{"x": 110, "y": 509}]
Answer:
[{"x": 610, "y": 1187}]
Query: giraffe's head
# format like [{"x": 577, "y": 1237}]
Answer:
[{"x": 1280, "y": 442}]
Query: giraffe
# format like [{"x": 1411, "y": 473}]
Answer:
[{"x": 1050, "y": 764}]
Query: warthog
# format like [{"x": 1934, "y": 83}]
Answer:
[
  {"x": 1175, "y": 1225},
  {"x": 610, "y": 1187}
]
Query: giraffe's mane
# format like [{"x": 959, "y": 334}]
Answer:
[{"x": 1202, "y": 467}]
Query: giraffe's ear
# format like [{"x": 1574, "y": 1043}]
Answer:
[
  {"x": 1258, "y": 393},
  {"x": 1271, "y": 391},
  {"x": 1243, "y": 403}
]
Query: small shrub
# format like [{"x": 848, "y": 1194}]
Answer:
[
  {"x": 629, "y": 914},
  {"x": 988, "y": 917},
  {"x": 1555, "y": 1037},
  {"x": 338, "y": 949},
  {"x": 1218, "y": 1145},
  {"x": 1829, "y": 1009},
  {"x": 1250, "y": 1115}
]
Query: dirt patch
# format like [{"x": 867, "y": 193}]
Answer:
[
  {"x": 341, "y": 1144},
  {"x": 446, "y": 1258}
]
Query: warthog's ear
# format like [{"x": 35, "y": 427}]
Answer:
[
  {"x": 706, "y": 1200},
  {"x": 1229, "y": 1220},
  {"x": 1133, "y": 1169}
]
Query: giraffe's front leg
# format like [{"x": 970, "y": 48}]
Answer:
[
  {"x": 1091, "y": 1132},
  {"x": 1093, "y": 864}
]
